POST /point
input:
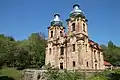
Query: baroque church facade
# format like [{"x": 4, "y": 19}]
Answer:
[{"x": 72, "y": 49}]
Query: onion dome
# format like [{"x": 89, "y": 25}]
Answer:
[
  {"x": 76, "y": 11},
  {"x": 56, "y": 21}
]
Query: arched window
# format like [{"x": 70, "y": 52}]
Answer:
[
  {"x": 99, "y": 55},
  {"x": 73, "y": 63},
  {"x": 95, "y": 54},
  {"x": 73, "y": 47},
  {"x": 95, "y": 66},
  {"x": 87, "y": 64},
  {"x": 73, "y": 27},
  {"x": 86, "y": 47},
  {"x": 51, "y": 34},
  {"x": 84, "y": 27},
  {"x": 61, "y": 50},
  {"x": 38, "y": 77},
  {"x": 61, "y": 34},
  {"x": 61, "y": 65},
  {"x": 50, "y": 51}
]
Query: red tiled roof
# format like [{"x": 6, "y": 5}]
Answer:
[
  {"x": 95, "y": 45},
  {"x": 107, "y": 63},
  {"x": 91, "y": 42}
]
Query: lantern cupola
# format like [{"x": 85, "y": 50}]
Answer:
[
  {"x": 76, "y": 11},
  {"x": 56, "y": 21}
]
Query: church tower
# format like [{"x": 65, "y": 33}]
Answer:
[
  {"x": 77, "y": 22},
  {"x": 55, "y": 37},
  {"x": 78, "y": 34},
  {"x": 56, "y": 29}
]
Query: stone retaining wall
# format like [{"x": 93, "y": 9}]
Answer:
[{"x": 31, "y": 74}]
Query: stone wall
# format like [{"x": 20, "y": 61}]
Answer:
[{"x": 30, "y": 74}]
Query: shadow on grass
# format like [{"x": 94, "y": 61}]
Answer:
[
  {"x": 113, "y": 76},
  {"x": 6, "y": 78}
]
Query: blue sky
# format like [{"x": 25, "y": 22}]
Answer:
[{"x": 20, "y": 18}]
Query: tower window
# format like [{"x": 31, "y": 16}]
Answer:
[
  {"x": 83, "y": 27},
  {"x": 73, "y": 47},
  {"x": 61, "y": 65},
  {"x": 73, "y": 63},
  {"x": 87, "y": 64},
  {"x": 50, "y": 51},
  {"x": 61, "y": 34},
  {"x": 51, "y": 34},
  {"x": 62, "y": 51},
  {"x": 73, "y": 27}
]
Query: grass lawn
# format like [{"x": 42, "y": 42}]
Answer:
[{"x": 10, "y": 72}]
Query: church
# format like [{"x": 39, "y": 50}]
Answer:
[{"x": 72, "y": 49}]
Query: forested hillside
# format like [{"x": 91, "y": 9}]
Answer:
[
  {"x": 28, "y": 53},
  {"x": 111, "y": 53}
]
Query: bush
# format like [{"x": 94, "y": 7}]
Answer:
[{"x": 56, "y": 74}]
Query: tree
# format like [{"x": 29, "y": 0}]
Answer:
[
  {"x": 29, "y": 53},
  {"x": 6, "y": 51},
  {"x": 40, "y": 42},
  {"x": 111, "y": 53}
]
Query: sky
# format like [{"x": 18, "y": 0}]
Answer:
[{"x": 20, "y": 18}]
